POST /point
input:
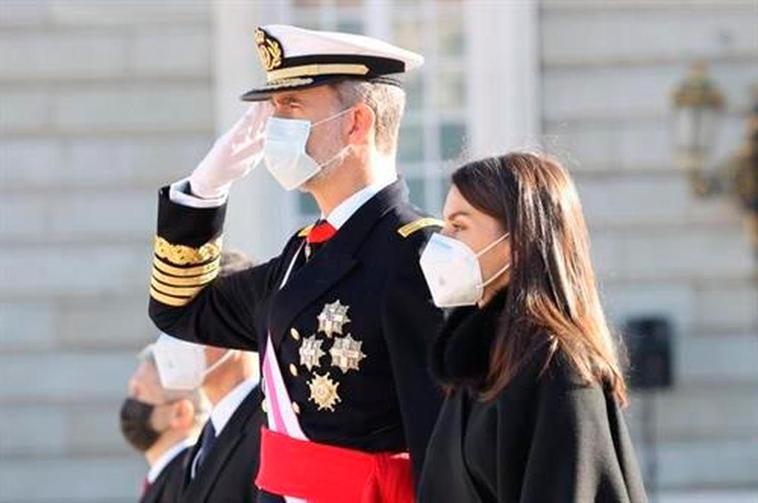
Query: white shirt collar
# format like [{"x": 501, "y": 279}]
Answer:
[
  {"x": 165, "y": 458},
  {"x": 349, "y": 206},
  {"x": 224, "y": 409}
]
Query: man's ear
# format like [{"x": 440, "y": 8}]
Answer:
[
  {"x": 182, "y": 414},
  {"x": 361, "y": 129}
]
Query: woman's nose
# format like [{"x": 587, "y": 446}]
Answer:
[{"x": 447, "y": 229}]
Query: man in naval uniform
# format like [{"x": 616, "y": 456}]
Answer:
[{"x": 342, "y": 317}]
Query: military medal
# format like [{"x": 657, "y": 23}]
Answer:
[
  {"x": 346, "y": 353},
  {"x": 311, "y": 352},
  {"x": 332, "y": 318},
  {"x": 324, "y": 392}
]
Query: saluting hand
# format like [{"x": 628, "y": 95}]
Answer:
[{"x": 233, "y": 155}]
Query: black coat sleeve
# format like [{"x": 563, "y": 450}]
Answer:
[
  {"x": 188, "y": 299},
  {"x": 577, "y": 449},
  {"x": 410, "y": 322}
]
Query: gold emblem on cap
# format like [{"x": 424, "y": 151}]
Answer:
[
  {"x": 311, "y": 352},
  {"x": 346, "y": 353},
  {"x": 269, "y": 50},
  {"x": 324, "y": 392},
  {"x": 332, "y": 318}
]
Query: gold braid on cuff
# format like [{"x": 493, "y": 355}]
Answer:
[{"x": 180, "y": 272}]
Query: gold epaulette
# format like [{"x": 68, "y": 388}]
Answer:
[
  {"x": 304, "y": 231},
  {"x": 408, "y": 229},
  {"x": 180, "y": 272}
]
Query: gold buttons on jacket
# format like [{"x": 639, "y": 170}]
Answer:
[
  {"x": 295, "y": 334},
  {"x": 264, "y": 405},
  {"x": 296, "y": 407},
  {"x": 293, "y": 370}
]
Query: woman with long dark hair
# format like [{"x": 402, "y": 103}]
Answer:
[{"x": 532, "y": 375}]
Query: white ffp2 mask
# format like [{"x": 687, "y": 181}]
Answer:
[
  {"x": 181, "y": 365},
  {"x": 452, "y": 271},
  {"x": 284, "y": 150}
]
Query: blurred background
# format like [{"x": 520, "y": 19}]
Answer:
[{"x": 651, "y": 105}]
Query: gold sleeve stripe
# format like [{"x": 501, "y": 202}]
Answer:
[
  {"x": 187, "y": 255},
  {"x": 191, "y": 281},
  {"x": 305, "y": 231},
  {"x": 168, "y": 300},
  {"x": 187, "y": 271},
  {"x": 174, "y": 290},
  {"x": 419, "y": 224}
]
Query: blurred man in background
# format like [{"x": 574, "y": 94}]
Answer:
[
  {"x": 223, "y": 463},
  {"x": 162, "y": 424}
]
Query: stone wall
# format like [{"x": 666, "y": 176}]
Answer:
[
  {"x": 608, "y": 71},
  {"x": 100, "y": 104}
]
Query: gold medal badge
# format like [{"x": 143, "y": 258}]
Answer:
[{"x": 324, "y": 392}]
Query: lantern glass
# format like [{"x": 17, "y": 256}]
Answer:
[{"x": 696, "y": 131}]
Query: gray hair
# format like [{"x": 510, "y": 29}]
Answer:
[
  {"x": 386, "y": 100},
  {"x": 196, "y": 397}
]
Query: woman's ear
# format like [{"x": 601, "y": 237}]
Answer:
[
  {"x": 182, "y": 414},
  {"x": 362, "y": 126}
]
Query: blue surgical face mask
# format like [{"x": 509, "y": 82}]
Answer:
[{"x": 284, "y": 150}]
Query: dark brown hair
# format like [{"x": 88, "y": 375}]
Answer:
[{"x": 552, "y": 300}]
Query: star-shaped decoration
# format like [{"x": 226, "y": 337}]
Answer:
[
  {"x": 346, "y": 353},
  {"x": 332, "y": 318},
  {"x": 324, "y": 392},
  {"x": 311, "y": 352}
]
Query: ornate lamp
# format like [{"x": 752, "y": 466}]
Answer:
[{"x": 698, "y": 105}]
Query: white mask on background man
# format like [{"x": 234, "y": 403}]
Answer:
[
  {"x": 181, "y": 365},
  {"x": 284, "y": 150},
  {"x": 453, "y": 273}
]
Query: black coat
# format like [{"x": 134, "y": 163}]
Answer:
[
  {"x": 227, "y": 473},
  {"x": 165, "y": 488},
  {"x": 545, "y": 438},
  {"x": 384, "y": 400}
]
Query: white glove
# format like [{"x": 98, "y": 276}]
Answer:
[{"x": 233, "y": 155}]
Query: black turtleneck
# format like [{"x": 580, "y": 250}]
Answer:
[{"x": 461, "y": 353}]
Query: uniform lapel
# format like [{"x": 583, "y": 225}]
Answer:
[{"x": 332, "y": 262}]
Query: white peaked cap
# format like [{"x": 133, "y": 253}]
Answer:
[{"x": 296, "y": 58}]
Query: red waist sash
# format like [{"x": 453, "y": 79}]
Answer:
[{"x": 320, "y": 473}]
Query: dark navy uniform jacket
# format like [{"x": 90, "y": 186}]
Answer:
[{"x": 351, "y": 328}]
